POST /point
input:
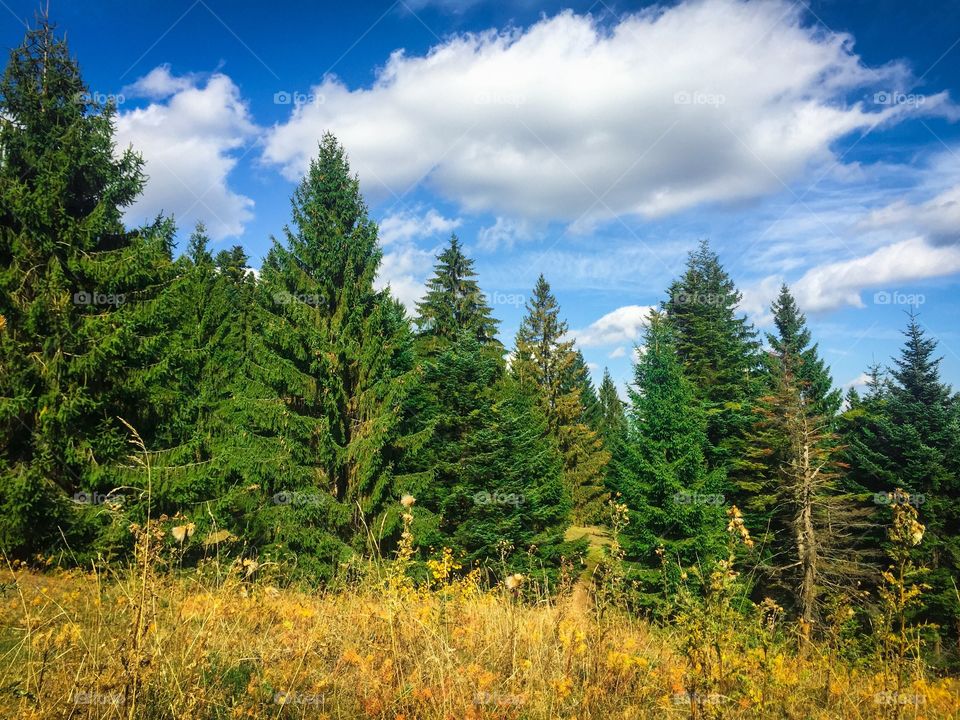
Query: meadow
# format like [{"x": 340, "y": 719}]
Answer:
[{"x": 226, "y": 639}]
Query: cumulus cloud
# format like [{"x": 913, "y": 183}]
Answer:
[
  {"x": 572, "y": 118},
  {"x": 159, "y": 83},
  {"x": 621, "y": 325},
  {"x": 403, "y": 270},
  {"x": 833, "y": 285},
  {"x": 189, "y": 136},
  {"x": 405, "y": 266},
  {"x": 408, "y": 225}
]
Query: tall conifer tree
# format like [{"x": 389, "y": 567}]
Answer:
[
  {"x": 545, "y": 364},
  {"x": 76, "y": 291}
]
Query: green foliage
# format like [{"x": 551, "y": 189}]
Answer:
[
  {"x": 77, "y": 293},
  {"x": 546, "y": 365},
  {"x": 675, "y": 501},
  {"x": 454, "y": 304},
  {"x": 718, "y": 350}
]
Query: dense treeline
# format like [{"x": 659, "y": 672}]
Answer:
[{"x": 283, "y": 414}]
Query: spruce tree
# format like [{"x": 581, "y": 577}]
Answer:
[
  {"x": 793, "y": 338},
  {"x": 924, "y": 416},
  {"x": 675, "y": 501},
  {"x": 489, "y": 480},
  {"x": 613, "y": 417},
  {"x": 77, "y": 293},
  {"x": 800, "y": 516},
  {"x": 339, "y": 355},
  {"x": 454, "y": 303},
  {"x": 545, "y": 364},
  {"x": 718, "y": 351}
]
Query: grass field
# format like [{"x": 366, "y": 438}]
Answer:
[{"x": 223, "y": 642}]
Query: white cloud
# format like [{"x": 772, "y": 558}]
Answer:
[
  {"x": 756, "y": 299},
  {"x": 406, "y": 226},
  {"x": 833, "y": 285},
  {"x": 621, "y": 325},
  {"x": 403, "y": 270},
  {"x": 504, "y": 233},
  {"x": 713, "y": 100},
  {"x": 405, "y": 266},
  {"x": 159, "y": 83},
  {"x": 938, "y": 218},
  {"x": 618, "y": 353},
  {"x": 859, "y": 381},
  {"x": 189, "y": 141}
]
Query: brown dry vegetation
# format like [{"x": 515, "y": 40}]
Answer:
[{"x": 223, "y": 642}]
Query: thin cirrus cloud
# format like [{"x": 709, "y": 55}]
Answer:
[
  {"x": 189, "y": 134},
  {"x": 574, "y": 120},
  {"x": 885, "y": 249}
]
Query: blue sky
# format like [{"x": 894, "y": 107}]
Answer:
[{"x": 814, "y": 143}]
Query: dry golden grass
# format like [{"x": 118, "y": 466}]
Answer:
[{"x": 219, "y": 645}]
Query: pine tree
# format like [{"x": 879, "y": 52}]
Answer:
[
  {"x": 675, "y": 502},
  {"x": 77, "y": 293},
  {"x": 545, "y": 364},
  {"x": 454, "y": 303},
  {"x": 718, "y": 350},
  {"x": 793, "y": 338}
]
